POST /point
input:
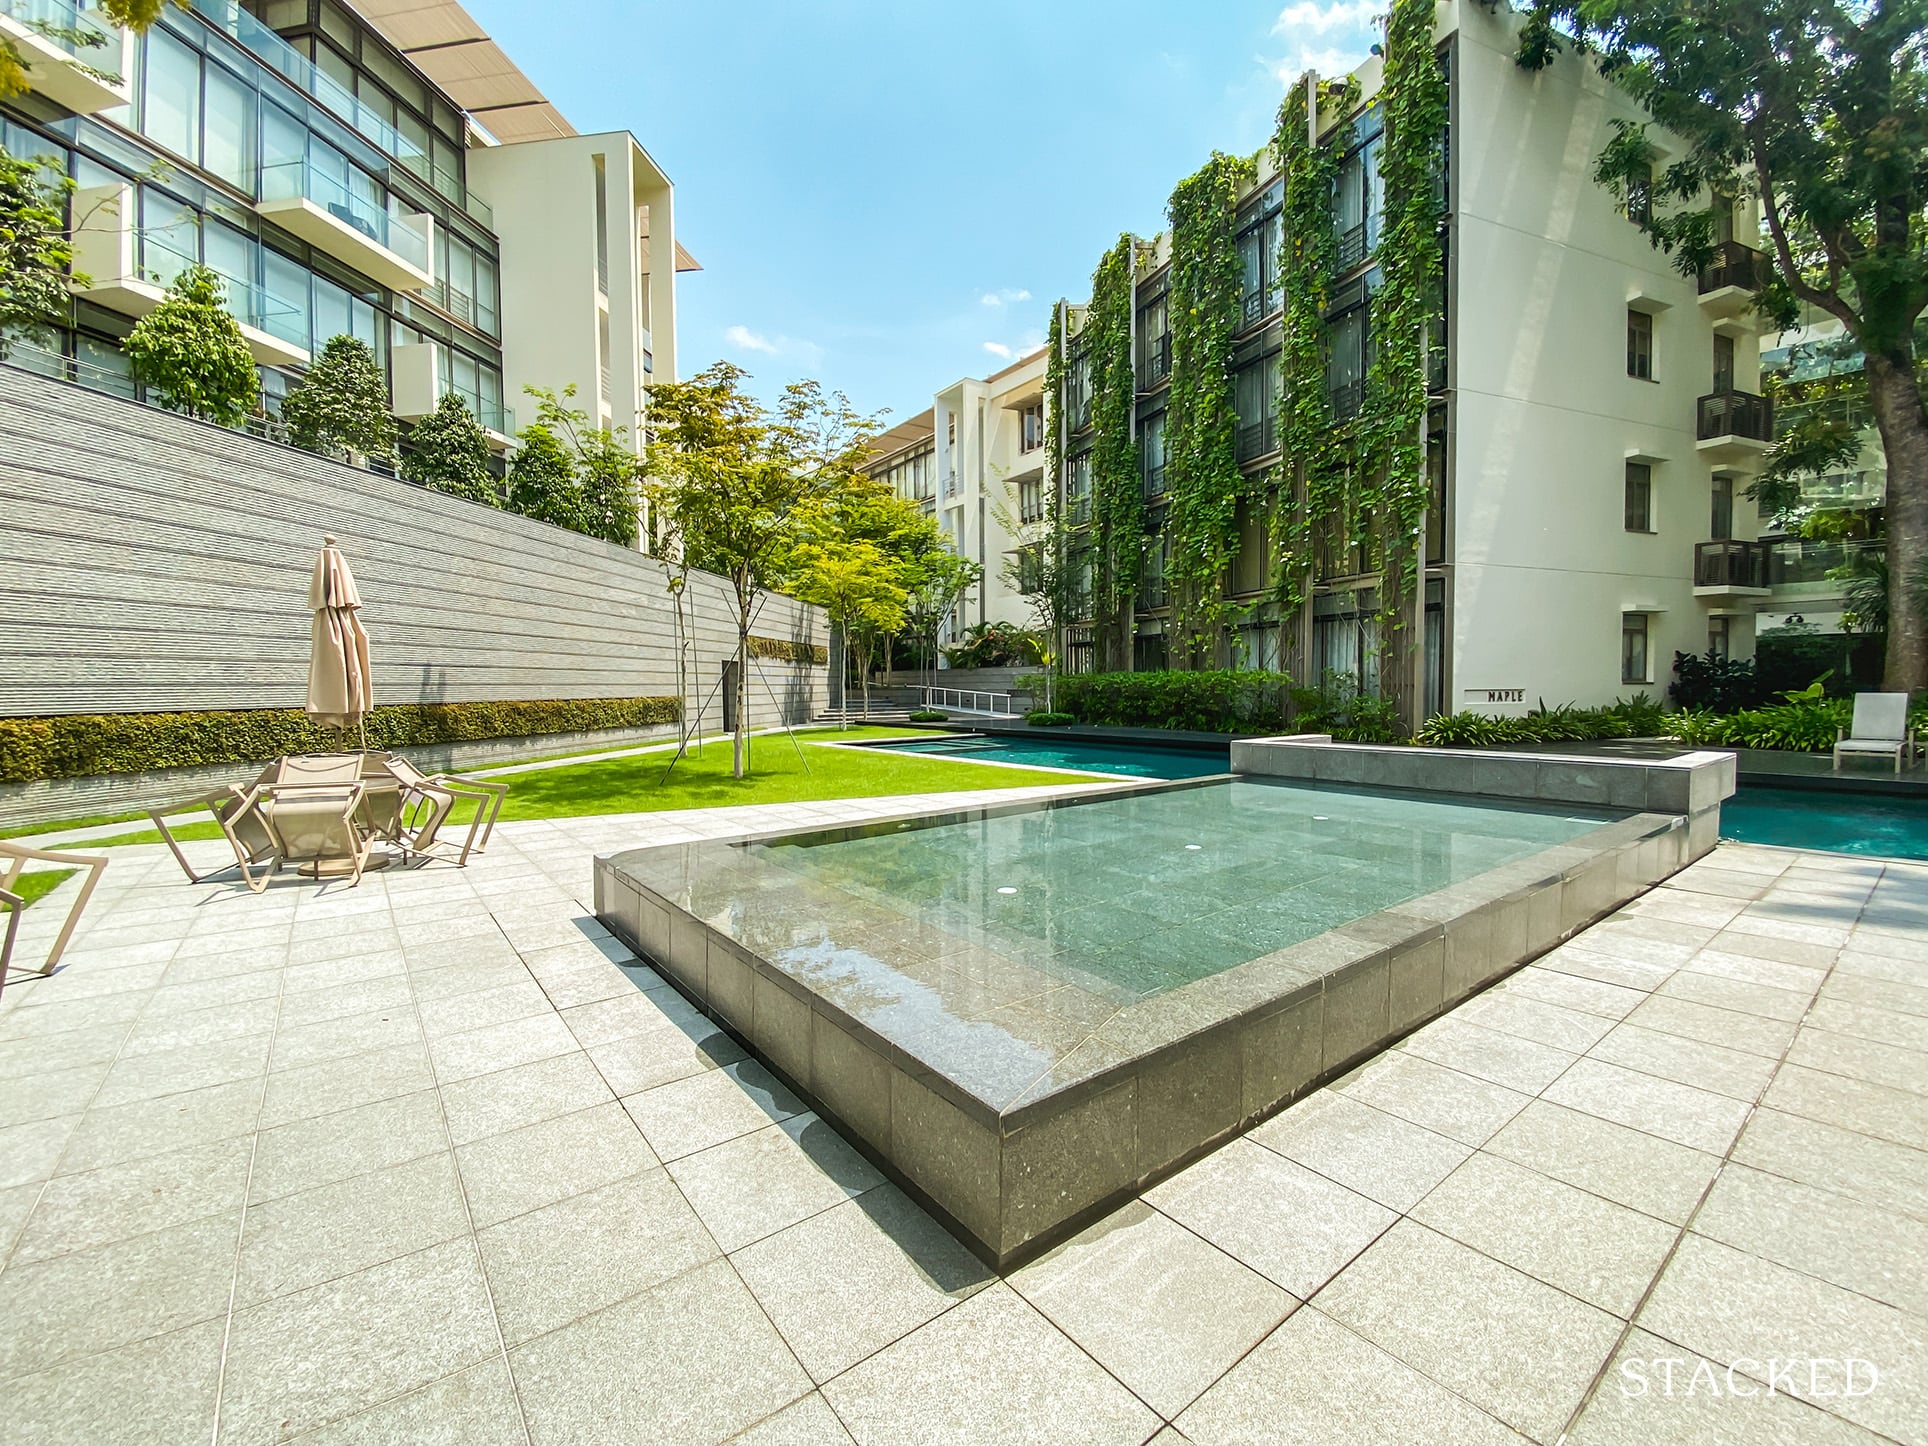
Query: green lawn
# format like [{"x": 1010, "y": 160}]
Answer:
[
  {"x": 38, "y": 885},
  {"x": 636, "y": 785}
]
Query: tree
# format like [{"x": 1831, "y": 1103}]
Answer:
[
  {"x": 938, "y": 582},
  {"x": 449, "y": 452},
  {"x": 190, "y": 352},
  {"x": 1041, "y": 571},
  {"x": 1821, "y": 111},
  {"x": 16, "y": 71},
  {"x": 542, "y": 479},
  {"x": 607, "y": 473},
  {"x": 35, "y": 252},
  {"x": 342, "y": 402},
  {"x": 858, "y": 588},
  {"x": 730, "y": 477}
]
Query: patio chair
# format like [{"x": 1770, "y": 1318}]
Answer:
[
  {"x": 20, "y": 855},
  {"x": 1880, "y": 729},
  {"x": 427, "y": 800},
  {"x": 318, "y": 823},
  {"x": 236, "y": 808}
]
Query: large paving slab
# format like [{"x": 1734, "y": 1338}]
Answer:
[{"x": 436, "y": 1159}]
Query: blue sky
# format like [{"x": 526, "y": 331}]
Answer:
[{"x": 887, "y": 194}]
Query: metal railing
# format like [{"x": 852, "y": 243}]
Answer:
[
  {"x": 967, "y": 700},
  {"x": 1352, "y": 247},
  {"x": 1731, "y": 563},
  {"x": 1157, "y": 363},
  {"x": 1152, "y": 484},
  {"x": 1255, "y": 439},
  {"x": 1734, "y": 414},
  {"x": 1792, "y": 561},
  {"x": 1734, "y": 264},
  {"x": 1346, "y": 399},
  {"x": 71, "y": 27},
  {"x": 300, "y": 177}
]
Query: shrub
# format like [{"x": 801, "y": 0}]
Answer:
[
  {"x": 189, "y": 352},
  {"x": 542, "y": 480},
  {"x": 341, "y": 403},
  {"x": 1338, "y": 706},
  {"x": 449, "y": 452},
  {"x": 1794, "y": 656},
  {"x": 77, "y": 745},
  {"x": 1638, "y": 716},
  {"x": 1226, "y": 701},
  {"x": 1711, "y": 681},
  {"x": 929, "y": 715},
  {"x": 1041, "y": 719},
  {"x": 995, "y": 645}
]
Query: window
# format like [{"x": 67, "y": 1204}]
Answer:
[
  {"x": 1720, "y": 524},
  {"x": 1345, "y": 635},
  {"x": 1640, "y": 345},
  {"x": 1077, "y": 490},
  {"x": 1633, "y": 648},
  {"x": 1255, "y": 391},
  {"x": 1640, "y": 497},
  {"x": 1151, "y": 574},
  {"x": 1151, "y": 451},
  {"x": 1348, "y": 358},
  {"x": 171, "y": 98},
  {"x": 1719, "y": 636},
  {"x": 1154, "y": 343},
  {"x": 1260, "y": 233},
  {"x": 1077, "y": 391},
  {"x": 1031, "y": 427},
  {"x": 1640, "y": 198},
  {"x": 1031, "y": 498},
  {"x": 1030, "y": 569},
  {"x": 1723, "y": 363}
]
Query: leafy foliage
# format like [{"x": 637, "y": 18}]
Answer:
[
  {"x": 995, "y": 645},
  {"x": 542, "y": 479},
  {"x": 1635, "y": 717},
  {"x": 76, "y": 745},
  {"x": 34, "y": 250},
  {"x": 1220, "y": 701},
  {"x": 1201, "y": 425},
  {"x": 1712, "y": 681},
  {"x": 1340, "y": 707},
  {"x": 1117, "y": 507},
  {"x": 16, "y": 72},
  {"x": 929, "y": 715},
  {"x": 189, "y": 352},
  {"x": 342, "y": 402},
  {"x": 1043, "y": 719},
  {"x": 449, "y": 452},
  {"x": 581, "y": 477}
]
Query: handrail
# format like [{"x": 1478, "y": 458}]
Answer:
[{"x": 949, "y": 695}]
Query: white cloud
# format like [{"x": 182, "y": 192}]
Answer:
[
  {"x": 1004, "y": 297},
  {"x": 750, "y": 340},
  {"x": 999, "y": 349},
  {"x": 1332, "y": 37}
]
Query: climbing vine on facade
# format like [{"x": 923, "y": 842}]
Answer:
[
  {"x": 1201, "y": 424},
  {"x": 1117, "y": 504}
]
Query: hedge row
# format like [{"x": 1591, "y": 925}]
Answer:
[
  {"x": 784, "y": 650},
  {"x": 1226, "y": 701},
  {"x": 1801, "y": 726},
  {"x": 76, "y": 745},
  {"x": 1636, "y": 717}
]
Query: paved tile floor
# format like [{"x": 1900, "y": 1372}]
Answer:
[{"x": 433, "y": 1160}]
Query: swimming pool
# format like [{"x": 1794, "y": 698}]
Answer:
[
  {"x": 1091, "y": 754},
  {"x": 1843, "y": 823}
]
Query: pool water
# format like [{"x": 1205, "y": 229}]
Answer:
[
  {"x": 1846, "y": 823},
  {"x": 1155, "y": 890},
  {"x": 1091, "y": 755}
]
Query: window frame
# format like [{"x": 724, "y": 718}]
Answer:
[
  {"x": 1640, "y": 345},
  {"x": 1644, "y": 632},
  {"x": 1645, "y": 482}
]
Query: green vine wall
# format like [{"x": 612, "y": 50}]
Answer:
[
  {"x": 1202, "y": 473},
  {"x": 1054, "y": 369},
  {"x": 1117, "y": 506}
]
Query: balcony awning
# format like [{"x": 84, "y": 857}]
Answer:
[{"x": 447, "y": 44}]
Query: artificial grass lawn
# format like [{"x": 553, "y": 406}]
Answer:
[
  {"x": 38, "y": 885},
  {"x": 702, "y": 780}
]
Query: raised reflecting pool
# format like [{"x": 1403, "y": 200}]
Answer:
[
  {"x": 1094, "y": 755},
  {"x": 1143, "y": 893}
]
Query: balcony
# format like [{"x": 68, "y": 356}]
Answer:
[
  {"x": 1729, "y": 285},
  {"x": 1156, "y": 364},
  {"x": 1799, "y": 567},
  {"x": 267, "y": 44},
  {"x": 416, "y": 385},
  {"x": 1731, "y": 569},
  {"x": 128, "y": 269},
  {"x": 348, "y": 224},
  {"x": 1733, "y": 426},
  {"x": 74, "y": 56}
]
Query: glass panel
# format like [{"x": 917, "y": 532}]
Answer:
[
  {"x": 283, "y": 138},
  {"x": 485, "y": 296},
  {"x": 332, "y": 315},
  {"x": 229, "y": 128},
  {"x": 171, "y": 99},
  {"x": 287, "y": 281},
  {"x": 169, "y": 237}
]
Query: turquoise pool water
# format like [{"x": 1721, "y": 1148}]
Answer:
[
  {"x": 1076, "y": 753},
  {"x": 1155, "y": 890},
  {"x": 1843, "y": 823}
]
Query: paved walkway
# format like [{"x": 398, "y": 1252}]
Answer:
[{"x": 433, "y": 1160}]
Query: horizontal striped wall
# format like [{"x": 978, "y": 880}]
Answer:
[{"x": 150, "y": 563}]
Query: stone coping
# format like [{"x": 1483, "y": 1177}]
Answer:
[{"x": 1019, "y": 1133}]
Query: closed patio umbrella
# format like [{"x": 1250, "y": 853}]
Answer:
[{"x": 339, "y": 691}]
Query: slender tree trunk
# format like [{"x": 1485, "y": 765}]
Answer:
[
  {"x": 1896, "y": 395},
  {"x": 740, "y": 735}
]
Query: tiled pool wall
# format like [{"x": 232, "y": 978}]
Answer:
[{"x": 1174, "y": 1075}]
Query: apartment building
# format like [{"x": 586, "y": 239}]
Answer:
[
  {"x": 1593, "y": 416},
  {"x": 975, "y": 460},
  {"x": 382, "y": 171}
]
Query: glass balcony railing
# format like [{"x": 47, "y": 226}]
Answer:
[
  {"x": 254, "y": 36},
  {"x": 80, "y": 32},
  {"x": 251, "y": 304},
  {"x": 285, "y": 180}
]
